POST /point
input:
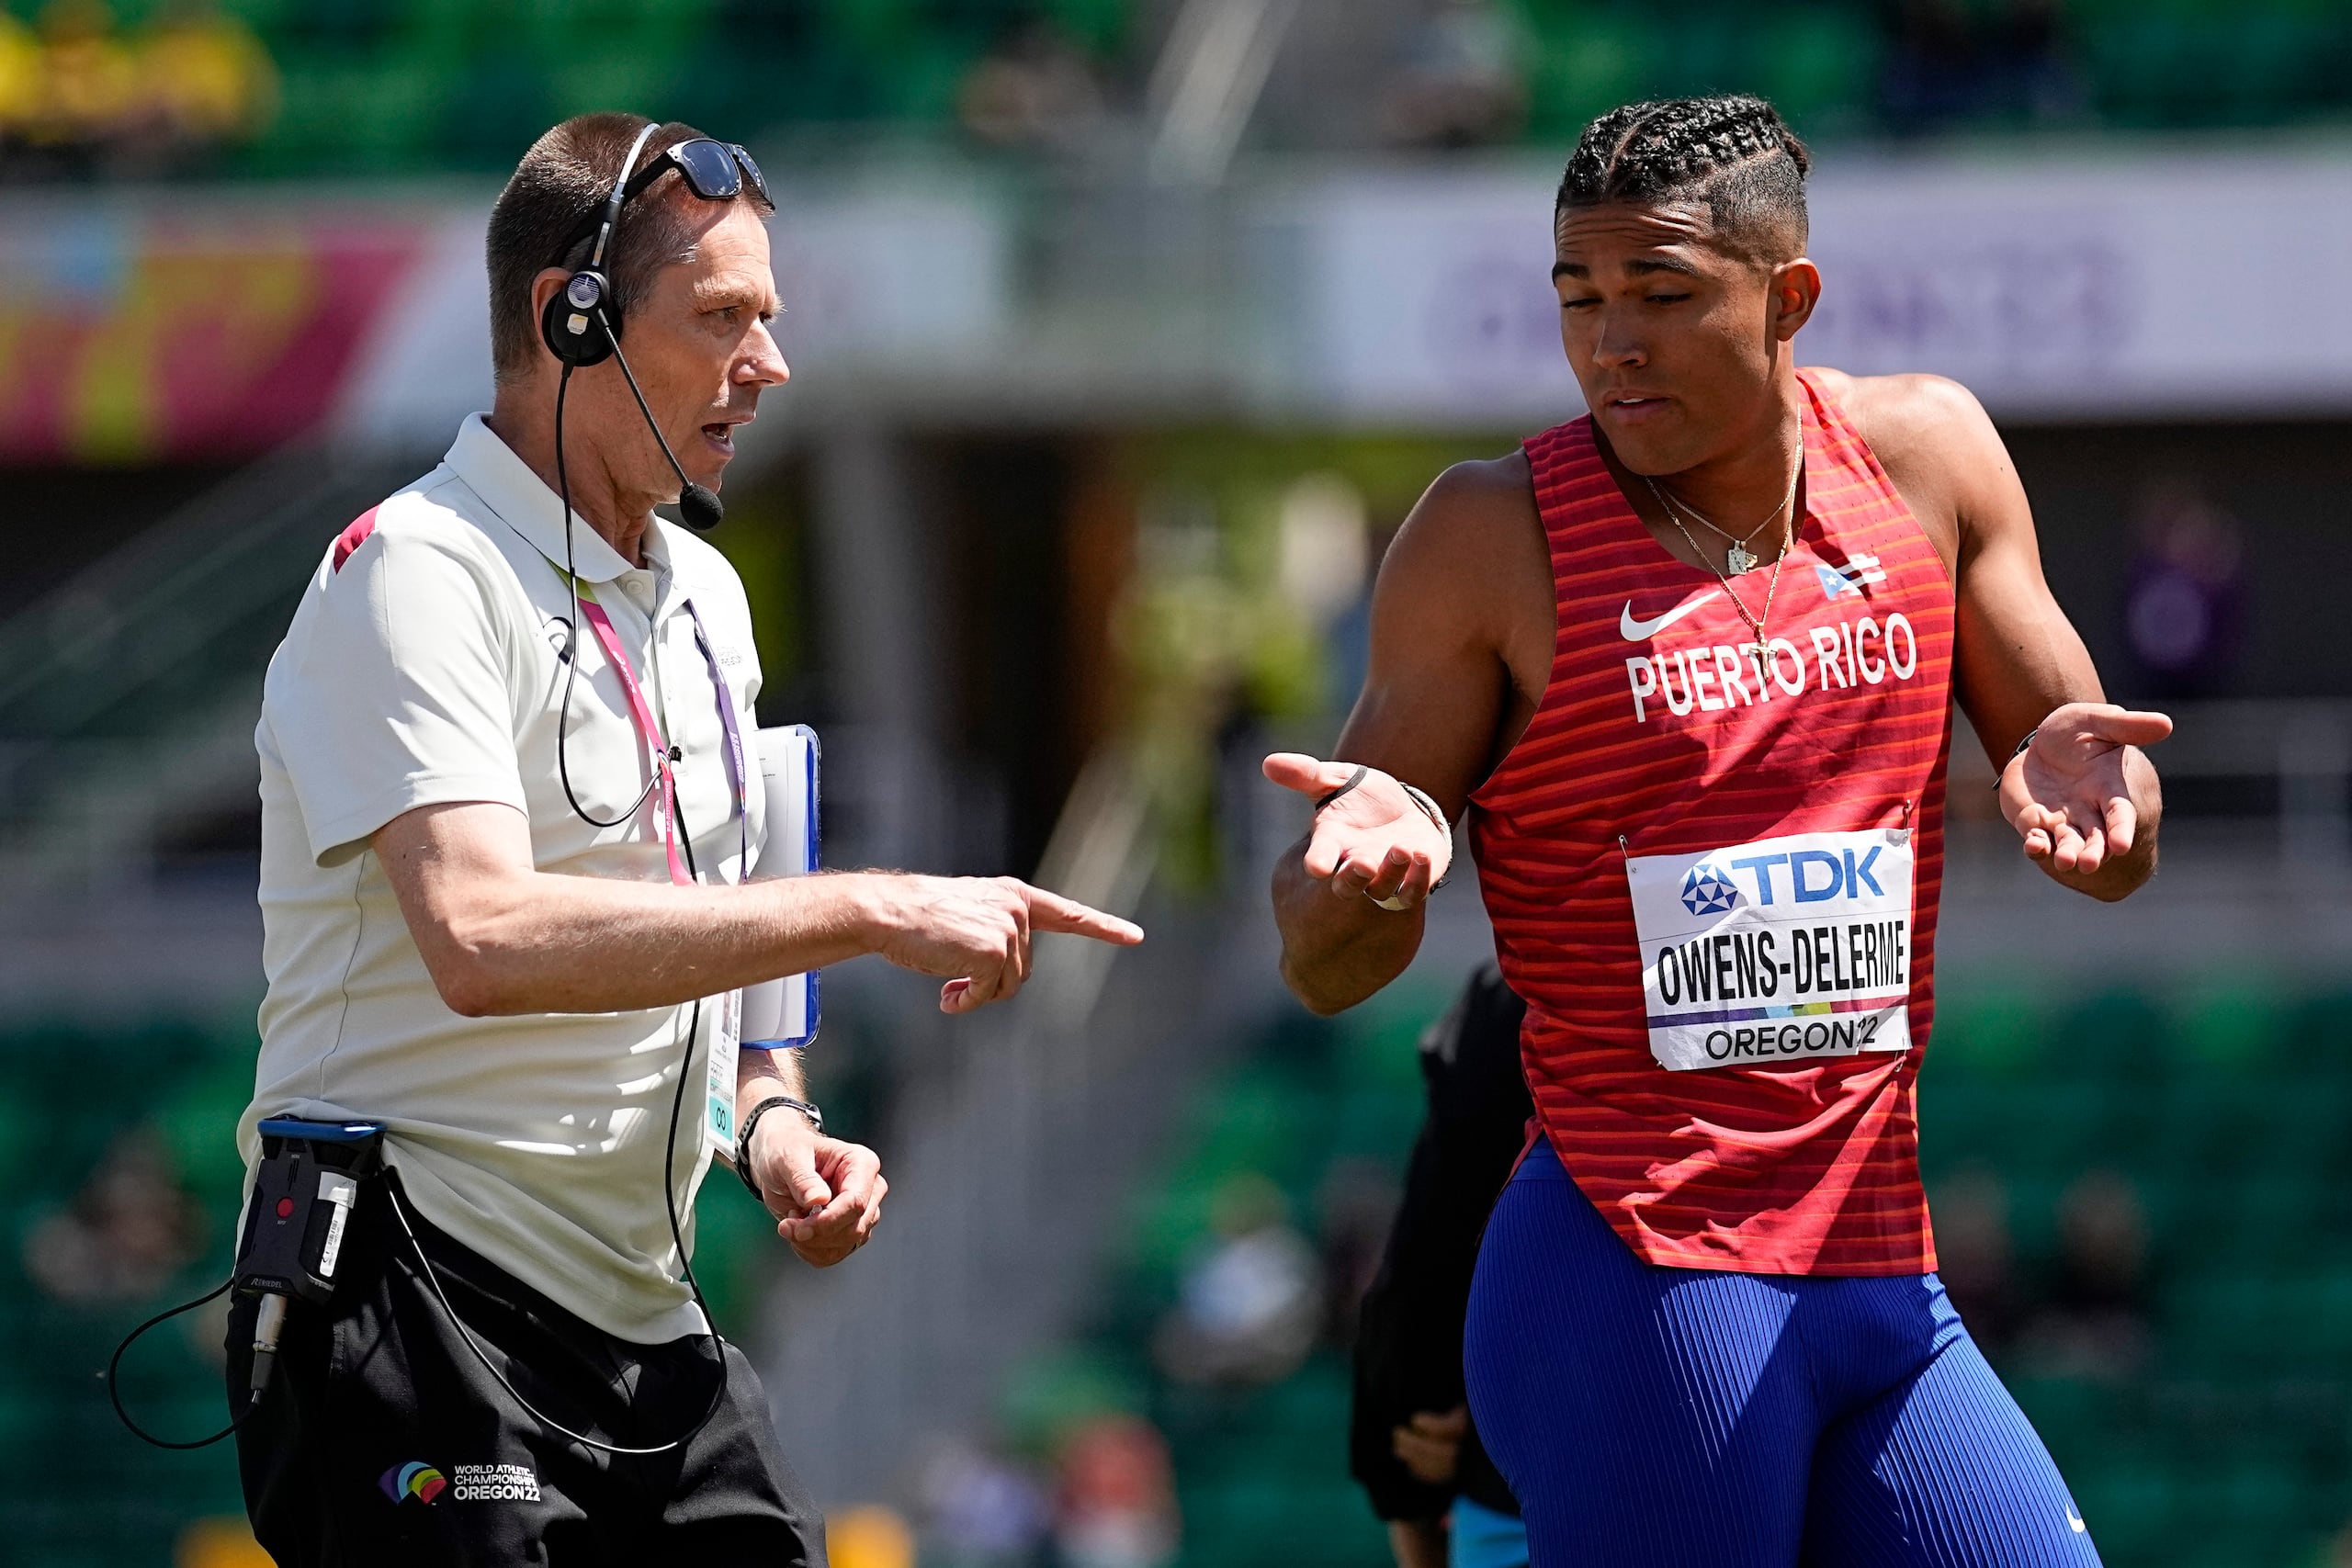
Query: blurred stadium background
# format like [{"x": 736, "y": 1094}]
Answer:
[{"x": 1124, "y": 331}]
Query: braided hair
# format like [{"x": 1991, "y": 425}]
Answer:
[{"x": 1732, "y": 151}]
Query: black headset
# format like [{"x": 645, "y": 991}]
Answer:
[
  {"x": 581, "y": 323},
  {"x": 582, "y": 326}
]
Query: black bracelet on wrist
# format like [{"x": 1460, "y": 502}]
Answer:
[
  {"x": 750, "y": 1123},
  {"x": 2015, "y": 755}
]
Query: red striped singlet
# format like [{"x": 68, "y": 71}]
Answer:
[{"x": 1807, "y": 1165}]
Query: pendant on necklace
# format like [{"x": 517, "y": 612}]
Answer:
[{"x": 1740, "y": 560}]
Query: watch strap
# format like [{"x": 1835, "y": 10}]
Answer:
[{"x": 750, "y": 1124}]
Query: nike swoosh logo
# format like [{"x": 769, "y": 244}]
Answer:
[{"x": 1632, "y": 630}]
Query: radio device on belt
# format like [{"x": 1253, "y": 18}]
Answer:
[{"x": 303, "y": 1194}]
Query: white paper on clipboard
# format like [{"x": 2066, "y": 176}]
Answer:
[{"x": 783, "y": 1013}]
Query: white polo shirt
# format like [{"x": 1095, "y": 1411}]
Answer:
[{"x": 424, "y": 665}]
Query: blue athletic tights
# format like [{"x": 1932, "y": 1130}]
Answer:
[{"x": 1652, "y": 1417}]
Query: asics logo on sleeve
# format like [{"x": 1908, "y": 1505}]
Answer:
[{"x": 1632, "y": 630}]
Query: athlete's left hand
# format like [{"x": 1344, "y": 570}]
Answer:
[
  {"x": 826, "y": 1194},
  {"x": 2083, "y": 796}
]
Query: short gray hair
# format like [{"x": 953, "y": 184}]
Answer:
[{"x": 564, "y": 178}]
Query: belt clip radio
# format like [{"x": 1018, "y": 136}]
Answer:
[{"x": 303, "y": 1196}]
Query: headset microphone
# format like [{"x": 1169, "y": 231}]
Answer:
[
  {"x": 698, "y": 506},
  {"x": 698, "y": 509}
]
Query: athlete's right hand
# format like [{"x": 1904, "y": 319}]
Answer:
[
  {"x": 977, "y": 930},
  {"x": 1372, "y": 841}
]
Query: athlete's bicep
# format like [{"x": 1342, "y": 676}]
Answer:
[
  {"x": 1438, "y": 684},
  {"x": 2017, "y": 655}
]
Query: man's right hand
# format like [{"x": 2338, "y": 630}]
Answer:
[
  {"x": 1372, "y": 841},
  {"x": 978, "y": 931}
]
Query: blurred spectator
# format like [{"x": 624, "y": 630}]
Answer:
[
  {"x": 124, "y": 1235},
  {"x": 1950, "y": 62},
  {"x": 869, "y": 1537},
  {"x": 1931, "y": 66},
  {"x": 206, "y": 83},
  {"x": 1251, "y": 1306},
  {"x": 2030, "y": 71},
  {"x": 2185, "y": 606},
  {"x": 2095, "y": 1324},
  {"x": 1036, "y": 90},
  {"x": 89, "y": 88},
  {"x": 1410, "y": 1443},
  {"x": 219, "y": 1543},
  {"x": 1976, "y": 1257},
  {"x": 980, "y": 1511},
  {"x": 79, "y": 100},
  {"x": 1356, "y": 1202},
  {"x": 20, "y": 81},
  {"x": 1459, "y": 86},
  {"x": 1116, "y": 1506}
]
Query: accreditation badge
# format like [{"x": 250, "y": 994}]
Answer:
[
  {"x": 1776, "y": 951},
  {"x": 726, "y": 1042}
]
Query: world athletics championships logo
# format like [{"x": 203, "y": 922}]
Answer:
[
  {"x": 1707, "y": 891},
  {"x": 413, "y": 1479}
]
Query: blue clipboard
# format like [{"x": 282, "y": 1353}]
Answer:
[{"x": 783, "y": 1014}]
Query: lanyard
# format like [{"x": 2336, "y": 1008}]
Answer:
[{"x": 665, "y": 755}]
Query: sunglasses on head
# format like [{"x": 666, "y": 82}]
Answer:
[{"x": 715, "y": 170}]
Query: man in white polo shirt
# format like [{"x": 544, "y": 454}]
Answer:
[{"x": 504, "y": 836}]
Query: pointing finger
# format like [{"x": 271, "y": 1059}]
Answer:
[{"x": 1052, "y": 913}]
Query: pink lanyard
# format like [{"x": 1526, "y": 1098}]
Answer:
[{"x": 665, "y": 755}]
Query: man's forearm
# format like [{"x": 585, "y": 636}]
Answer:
[
  {"x": 539, "y": 942},
  {"x": 1337, "y": 950}
]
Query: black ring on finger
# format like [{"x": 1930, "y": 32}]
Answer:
[{"x": 1354, "y": 779}]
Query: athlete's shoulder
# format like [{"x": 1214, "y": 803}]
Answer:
[
  {"x": 1910, "y": 419},
  {"x": 1470, "y": 567},
  {"x": 1474, "y": 517},
  {"x": 1483, "y": 493}
]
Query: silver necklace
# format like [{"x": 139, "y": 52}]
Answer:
[
  {"x": 1763, "y": 644},
  {"x": 1738, "y": 557}
]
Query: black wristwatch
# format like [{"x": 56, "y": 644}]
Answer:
[{"x": 750, "y": 1123}]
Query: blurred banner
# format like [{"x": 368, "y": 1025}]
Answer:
[
  {"x": 168, "y": 328},
  {"x": 2086, "y": 287},
  {"x": 140, "y": 333}
]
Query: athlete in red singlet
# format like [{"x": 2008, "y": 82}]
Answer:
[{"x": 1688, "y": 664}]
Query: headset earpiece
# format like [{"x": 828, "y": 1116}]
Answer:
[{"x": 571, "y": 326}]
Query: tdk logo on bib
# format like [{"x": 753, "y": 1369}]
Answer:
[
  {"x": 1707, "y": 891},
  {"x": 1777, "y": 951}
]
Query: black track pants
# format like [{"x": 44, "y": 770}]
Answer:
[{"x": 385, "y": 1440}]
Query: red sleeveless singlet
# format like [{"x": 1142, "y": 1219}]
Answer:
[{"x": 1694, "y": 861}]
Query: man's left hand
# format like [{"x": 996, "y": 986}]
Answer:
[
  {"x": 825, "y": 1194},
  {"x": 2085, "y": 800}
]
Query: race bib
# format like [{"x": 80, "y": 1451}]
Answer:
[
  {"x": 1776, "y": 951},
  {"x": 726, "y": 1041}
]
